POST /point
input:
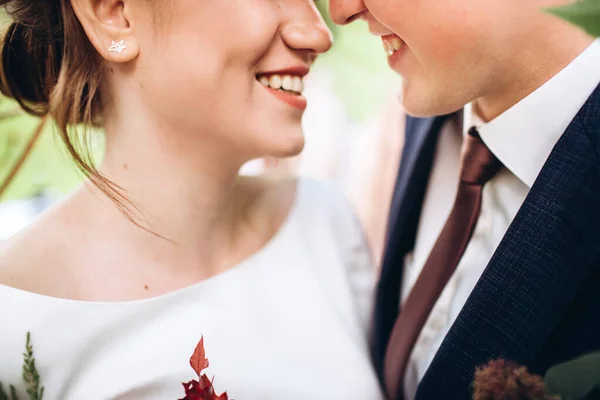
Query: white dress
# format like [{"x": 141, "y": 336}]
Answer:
[{"x": 289, "y": 322}]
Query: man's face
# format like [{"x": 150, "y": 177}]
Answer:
[{"x": 451, "y": 52}]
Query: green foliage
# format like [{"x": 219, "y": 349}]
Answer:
[
  {"x": 30, "y": 375},
  {"x": 577, "y": 379},
  {"x": 48, "y": 164},
  {"x": 361, "y": 76},
  {"x": 583, "y": 13},
  {"x": 3, "y": 395},
  {"x": 13, "y": 393}
]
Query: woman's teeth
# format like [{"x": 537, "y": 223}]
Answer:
[
  {"x": 392, "y": 44},
  {"x": 287, "y": 83}
]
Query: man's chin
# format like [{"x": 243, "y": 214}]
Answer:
[{"x": 417, "y": 103}]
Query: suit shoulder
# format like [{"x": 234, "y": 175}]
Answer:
[{"x": 589, "y": 118}]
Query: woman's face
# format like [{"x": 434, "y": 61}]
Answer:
[{"x": 229, "y": 72}]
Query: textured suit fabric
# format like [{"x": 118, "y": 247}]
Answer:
[{"x": 538, "y": 301}]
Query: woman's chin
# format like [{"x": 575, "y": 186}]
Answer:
[
  {"x": 287, "y": 145},
  {"x": 290, "y": 150}
]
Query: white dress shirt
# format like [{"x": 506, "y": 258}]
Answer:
[{"x": 522, "y": 138}]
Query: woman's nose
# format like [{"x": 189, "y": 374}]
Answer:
[
  {"x": 345, "y": 11},
  {"x": 313, "y": 35}
]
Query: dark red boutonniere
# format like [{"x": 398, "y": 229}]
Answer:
[
  {"x": 576, "y": 379},
  {"x": 502, "y": 379},
  {"x": 201, "y": 389}
]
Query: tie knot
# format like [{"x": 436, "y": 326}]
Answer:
[{"x": 478, "y": 163}]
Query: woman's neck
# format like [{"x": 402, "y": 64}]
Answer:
[{"x": 187, "y": 196}]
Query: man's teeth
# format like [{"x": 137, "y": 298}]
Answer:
[
  {"x": 392, "y": 44},
  {"x": 283, "y": 82}
]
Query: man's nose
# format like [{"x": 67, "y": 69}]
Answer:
[{"x": 345, "y": 11}]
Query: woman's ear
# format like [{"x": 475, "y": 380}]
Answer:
[{"x": 110, "y": 27}]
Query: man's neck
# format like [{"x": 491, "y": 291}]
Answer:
[{"x": 533, "y": 69}]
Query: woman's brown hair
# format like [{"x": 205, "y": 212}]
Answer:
[{"x": 52, "y": 70}]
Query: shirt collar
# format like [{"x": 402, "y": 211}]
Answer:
[{"x": 523, "y": 136}]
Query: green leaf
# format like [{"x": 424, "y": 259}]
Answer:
[
  {"x": 3, "y": 395},
  {"x": 583, "y": 13},
  {"x": 13, "y": 393},
  {"x": 575, "y": 379},
  {"x": 30, "y": 373}
]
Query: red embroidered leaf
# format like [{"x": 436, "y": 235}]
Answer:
[
  {"x": 192, "y": 391},
  {"x": 205, "y": 383},
  {"x": 202, "y": 389},
  {"x": 198, "y": 360},
  {"x": 221, "y": 397}
]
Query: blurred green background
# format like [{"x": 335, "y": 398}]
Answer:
[{"x": 356, "y": 63}]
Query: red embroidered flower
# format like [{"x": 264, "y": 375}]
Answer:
[{"x": 203, "y": 388}]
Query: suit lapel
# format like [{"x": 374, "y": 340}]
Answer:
[
  {"x": 548, "y": 251},
  {"x": 416, "y": 163},
  {"x": 420, "y": 141}
]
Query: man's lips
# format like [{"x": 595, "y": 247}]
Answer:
[{"x": 392, "y": 43}]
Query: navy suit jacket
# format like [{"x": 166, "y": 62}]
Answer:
[{"x": 538, "y": 300}]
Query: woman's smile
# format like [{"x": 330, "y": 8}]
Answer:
[{"x": 286, "y": 84}]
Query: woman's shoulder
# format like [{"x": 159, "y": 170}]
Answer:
[{"x": 32, "y": 258}]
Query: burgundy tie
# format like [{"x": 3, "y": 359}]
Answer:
[{"x": 478, "y": 165}]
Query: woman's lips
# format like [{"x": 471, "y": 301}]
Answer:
[
  {"x": 295, "y": 100},
  {"x": 287, "y": 86}
]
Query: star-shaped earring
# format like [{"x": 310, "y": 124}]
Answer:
[{"x": 117, "y": 47}]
